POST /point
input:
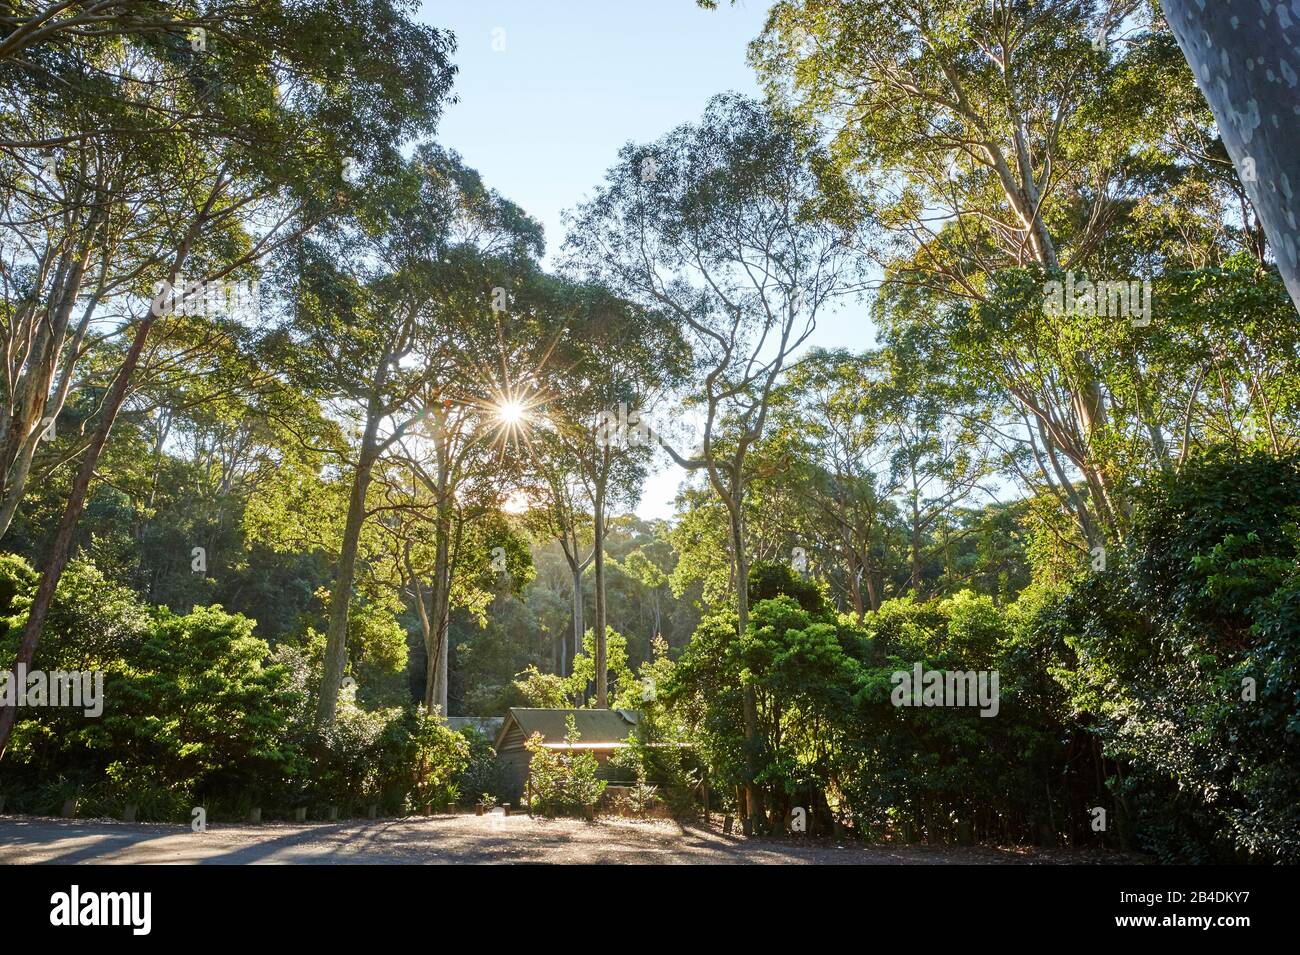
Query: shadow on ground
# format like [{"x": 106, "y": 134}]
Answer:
[{"x": 493, "y": 838}]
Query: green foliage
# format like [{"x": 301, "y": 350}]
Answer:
[
  {"x": 581, "y": 682},
  {"x": 1162, "y": 687},
  {"x": 426, "y": 760},
  {"x": 1202, "y": 600},
  {"x": 17, "y": 580},
  {"x": 377, "y": 646},
  {"x": 804, "y": 681},
  {"x": 563, "y": 782},
  {"x": 929, "y": 767},
  {"x": 483, "y": 773},
  {"x": 541, "y": 689},
  {"x": 355, "y": 751},
  {"x": 192, "y": 704},
  {"x": 833, "y": 742},
  {"x": 1128, "y": 688},
  {"x": 768, "y": 580},
  {"x": 199, "y": 710}
]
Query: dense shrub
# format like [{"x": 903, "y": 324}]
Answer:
[
  {"x": 198, "y": 710},
  {"x": 348, "y": 771},
  {"x": 424, "y": 758},
  {"x": 1164, "y": 689},
  {"x": 804, "y": 680},
  {"x": 832, "y": 742},
  {"x": 563, "y": 782},
  {"x": 936, "y": 769},
  {"x": 1188, "y": 660},
  {"x": 483, "y": 773}
]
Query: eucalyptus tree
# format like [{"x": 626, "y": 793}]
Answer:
[
  {"x": 557, "y": 511},
  {"x": 828, "y": 420},
  {"x": 56, "y": 27},
  {"x": 1037, "y": 138},
  {"x": 378, "y": 314},
  {"x": 619, "y": 363},
  {"x": 352, "y": 340},
  {"x": 717, "y": 225},
  {"x": 231, "y": 148},
  {"x": 464, "y": 460},
  {"x": 939, "y": 458},
  {"x": 140, "y": 150},
  {"x": 440, "y": 507}
]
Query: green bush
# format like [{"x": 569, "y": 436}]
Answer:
[
  {"x": 198, "y": 710},
  {"x": 483, "y": 773},
  {"x": 348, "y": 773},
  {"x": 422, "y": 759},
  {"x": 1205, "y": 597},
  {"x": 831, "y": 741},
  {"x": 563, "y": 782}
]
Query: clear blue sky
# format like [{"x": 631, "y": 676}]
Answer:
[{"x": 544, "y": 117}]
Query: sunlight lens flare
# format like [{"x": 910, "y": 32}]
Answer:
[{"x": 510, "y": 412}]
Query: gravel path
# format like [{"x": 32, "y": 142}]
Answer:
[{"x": 466, "y": 838}]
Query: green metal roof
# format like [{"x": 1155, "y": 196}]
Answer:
[{"x": 594, "y": 726}]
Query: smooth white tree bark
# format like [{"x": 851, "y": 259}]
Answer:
[{"x": 1245, "y": 55}]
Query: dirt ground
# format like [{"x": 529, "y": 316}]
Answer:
[{"x": 466, "y": 838}]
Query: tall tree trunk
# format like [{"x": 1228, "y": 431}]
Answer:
[
  {"x": 1257, "y": 107},
  {"x": 579, "y": 626},
  {"x": 336, "y": 641},
  {"x": 914, "y": 547},
  {"x": 441, "y": 672},
  {"x": 435, "y": 682},
  {"x": 429, "y": 637},
  {"x": 754, "y": 803},
  {"x": 602, "y": 670}
]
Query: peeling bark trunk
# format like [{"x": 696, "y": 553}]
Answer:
[
  {"x": 435, "y": 681},
  {"x": 426, "y": 634},
  {"x": 435, "y": 619},
  {"x": 441, "y": 669},
  {"x": 35, "y": 396},
  {"x": 1245, "y": 56}
]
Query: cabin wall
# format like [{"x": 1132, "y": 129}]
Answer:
[{"x": 514, "y": 774}]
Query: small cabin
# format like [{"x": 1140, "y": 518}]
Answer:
[{"x": 601, "y": 732}]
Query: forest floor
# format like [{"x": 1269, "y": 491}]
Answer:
[{"x": 467, "y": 838}]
